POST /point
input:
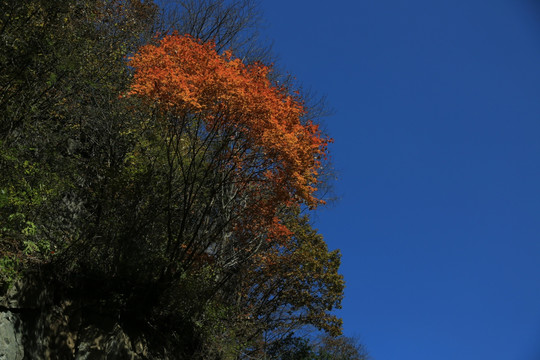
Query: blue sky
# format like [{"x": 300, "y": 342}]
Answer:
[{"x": 436, "y": 128}]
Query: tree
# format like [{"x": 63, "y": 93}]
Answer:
[
  {"x": 291, "y": 348},
  {"x": 341, "y": 348},
  {"x": 238, "y": 160},
  {"x": 324, "y": 348},
  {"x": 64, "y": 71},
  {"x": 231, "y": 25},
  {"x": 169, "y": 186}
]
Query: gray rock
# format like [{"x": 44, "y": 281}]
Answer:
[
  {"x": 11, "y": 347},
  {"x": 34, "y": 326}
]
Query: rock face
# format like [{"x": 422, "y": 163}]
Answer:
[
  {"x": 11, "y": 347},
  {"x": 35, "y": 327}
]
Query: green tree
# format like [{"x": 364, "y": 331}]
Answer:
[
  {"x": 340, "y": 348},
  {"x": 60, "y": 131},
  {"x": 291, "y": 348}
]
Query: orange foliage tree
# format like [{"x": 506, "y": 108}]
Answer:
[
  {"x": 273, "y": 156},
  {"x": 182, "y": 75},
  {"x": 240, "y": 157}
]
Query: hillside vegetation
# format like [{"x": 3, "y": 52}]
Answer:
[{"x": 156, "y": 170}]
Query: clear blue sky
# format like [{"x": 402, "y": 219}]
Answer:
[{"x": 437, "y": 143}]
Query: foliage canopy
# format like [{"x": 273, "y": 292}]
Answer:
[{"x": 172, "y": 185}]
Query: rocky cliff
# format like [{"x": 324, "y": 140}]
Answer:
[{"x": 36, "y": 323}]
